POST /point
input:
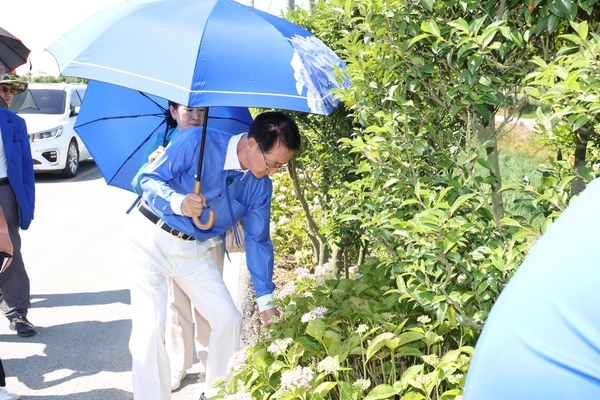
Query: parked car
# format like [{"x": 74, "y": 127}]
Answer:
[{"x": 55, "y": 145}]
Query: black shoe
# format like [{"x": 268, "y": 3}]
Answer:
[{"x": 23, "y": 327}]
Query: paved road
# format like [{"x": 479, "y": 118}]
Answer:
[{"x": 80, "y": 296}]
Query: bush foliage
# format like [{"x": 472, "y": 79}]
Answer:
[{"x": 395, "y": 209}]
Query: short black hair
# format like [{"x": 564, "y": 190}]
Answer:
[{"x": 270, "y": 128}]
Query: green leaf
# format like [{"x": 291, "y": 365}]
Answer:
[
  {"x": 488, "y": 36},
  {"x": 581, "y": 28},
  {"x": 486, "y": 164},
  {"x": 413, "y": 396},
  {"x": 459, "y": 24},
  {"x": 475, "y": 26},
  {"x": 316, "y": 328},
  {"x": 427, "y": 4},
  {"x": 431, "y": 27},
  {"x": 324, "y": 388},
  {"x": 460, "y": 201},
  {"x": 378, "y": 343},
  {"x": 408, "y": 337},
  {"x": 347, "y": 391},
  {"x": 381, "y": 392},
  {"x": 565, "y": 6}
]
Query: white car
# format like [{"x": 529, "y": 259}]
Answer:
[{"x": 55, "y": 146}]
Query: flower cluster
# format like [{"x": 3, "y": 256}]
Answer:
[
  {"x": 323, "y": 269},
  {"x": 304, "y": 273},
  {"x": 286, "y": 291},
  {"x": 317, "y": 313},
  {"x": 362, "y": 384},
  {"x": 328, "y": 365},
  {"x": 238, "y": 360},
  {"x": 279, "y": 345},
  {"x": 362, "y": 328},
  {"x": 298, "y": 377}
]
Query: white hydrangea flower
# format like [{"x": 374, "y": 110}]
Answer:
[
  {"x": 328, "y": 365},
  {"x": 362, "y": 328}
]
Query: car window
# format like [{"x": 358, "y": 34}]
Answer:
[
  {"x": 49, "y": 101},
  {"x": 75, "y": 100}
]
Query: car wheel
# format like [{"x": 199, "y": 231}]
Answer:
[{"x": 72, "y": 163}]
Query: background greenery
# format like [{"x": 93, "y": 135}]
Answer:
[{"x": 412, "y": 206}]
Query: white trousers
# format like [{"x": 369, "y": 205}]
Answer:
[
  {"x": 181, "y": 315},
  {"x": 152, "y": 255}
]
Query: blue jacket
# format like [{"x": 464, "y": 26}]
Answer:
[
  {"x": 19, "y": 163},
  {"x": 233, "y": 195}
]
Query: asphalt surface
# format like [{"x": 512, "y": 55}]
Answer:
[{"x": 80, "y": 297}]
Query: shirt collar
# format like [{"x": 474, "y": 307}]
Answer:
[{"x": 232, "y": 162}]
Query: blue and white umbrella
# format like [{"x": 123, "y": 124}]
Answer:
[{"x": 204, "y": 53}]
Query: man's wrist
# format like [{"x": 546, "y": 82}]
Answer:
[
  {"x": 175, "y": 202},
  {"x": 265, "y": 302}
]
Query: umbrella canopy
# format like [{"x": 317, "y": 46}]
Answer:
[
  {"x": 203, "y": 53},
  {"x": 13, "y": 53},
  {"x": 23, "y": 101},
  {"x": 116, "y": 123}
]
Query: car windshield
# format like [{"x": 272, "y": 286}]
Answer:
[{"x": 48, "y": 101}]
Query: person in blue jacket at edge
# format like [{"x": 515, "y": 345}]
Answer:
[
  {"x": 542, "y": 337},
  {"x": 161, "y": 240},
  {"x": 17, "y": 200}
]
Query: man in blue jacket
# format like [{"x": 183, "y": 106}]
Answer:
[
  {"x": 161, "y": 240},
  {"x": 17, "y": 199}
]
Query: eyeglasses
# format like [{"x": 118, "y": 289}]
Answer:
[
  {"x": 6, "y": 89},
  {"x": 270, "y": 167}
]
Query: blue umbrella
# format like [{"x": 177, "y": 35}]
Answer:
[
  {"x": 204, "y": 53},
  {"x": 116, "y": 123}
]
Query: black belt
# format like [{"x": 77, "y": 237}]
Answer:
[
  {"x": 3, "y": 181},
  {"x": 157, "y": 221}
]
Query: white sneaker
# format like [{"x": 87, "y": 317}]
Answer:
[
  {"x": 5, "y": 395},
  {"x": 176, "y": 378}
]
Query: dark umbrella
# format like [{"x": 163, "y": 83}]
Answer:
[{"x": 13, "y": 53}]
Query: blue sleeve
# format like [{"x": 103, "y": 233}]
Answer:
[
  {"x": 28, "y": 177},
  {"x": 161, "y": 179},
  {"x": 259, "y": 248}
]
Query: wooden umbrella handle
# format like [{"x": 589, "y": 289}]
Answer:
[{"x": 212, "y": 216}]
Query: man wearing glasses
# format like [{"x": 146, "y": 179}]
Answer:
[{"x": 162, "y": 241}]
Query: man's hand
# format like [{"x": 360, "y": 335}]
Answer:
[
  {"x": 193, "y": 204},
  {"x": 267, "y": 314},
  {"x": 155, "y": 154}
]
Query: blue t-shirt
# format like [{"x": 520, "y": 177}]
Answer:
[{"x": 542, "y": 338}]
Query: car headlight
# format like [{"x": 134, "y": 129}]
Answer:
[{"x": 49, "y": 134}]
